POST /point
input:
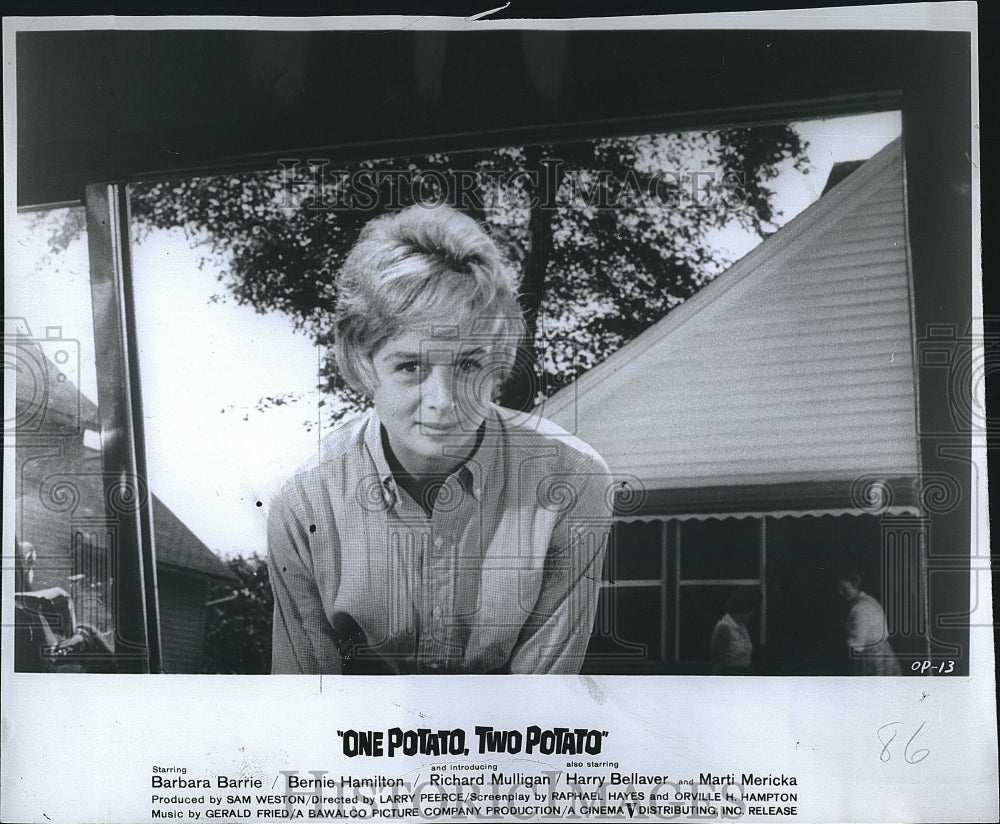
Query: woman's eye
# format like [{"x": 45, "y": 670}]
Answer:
[
  {"x": 469, "y": 365},
  {"x": 409, "y": 367}
]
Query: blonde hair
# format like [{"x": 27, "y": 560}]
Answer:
[{"x": 426, "y": 267}]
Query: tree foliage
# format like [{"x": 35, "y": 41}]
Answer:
[{"x": 609, "y": 234}]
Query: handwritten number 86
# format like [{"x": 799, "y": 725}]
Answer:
[{"x": 912, "y": 757}]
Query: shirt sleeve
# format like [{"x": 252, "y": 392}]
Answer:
[
  {"x": 302, "y": 639},
  {"x": 554, "y": 639}
]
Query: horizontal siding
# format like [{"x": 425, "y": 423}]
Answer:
[
  {"x": 884, "y": 348},
  {"x": 878, "y": 214},
  {"x": 831, "y": 292},
  {"x": 835, "y": 259},
  {"x": 802, "y": 371},
  {"x": 861, "y": 297},
  {"x": 767, "y": 458},
  {"x": 872, "y": 274},
  {"x": 886, "y": 360},
  {"x": 793, "y": 427},
  {"x": 771, "y": 458},
  {"x": 673, "y": 480}
]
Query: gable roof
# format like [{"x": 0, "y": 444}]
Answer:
[
  {"x": 48, "y": 402},
  {"x": 794, "y": 366},
  {"x": 179, "y": 548},
  {"x": 50, "y": 528}
]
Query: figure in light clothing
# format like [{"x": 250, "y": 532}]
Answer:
[
  {"x": 732, "y": 647},
  {"x": 868, "y": 649}
]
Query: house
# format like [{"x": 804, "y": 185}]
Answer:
[
  {"x": 66, "y": 522},
  {"x": 765, "y": 435}
]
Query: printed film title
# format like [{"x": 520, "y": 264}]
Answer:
[{"x": 423, "y": 741}]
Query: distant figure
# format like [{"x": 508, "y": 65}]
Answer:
[
  {"x": 865, "y": 630},
  {"x": 732, "y": 648}
]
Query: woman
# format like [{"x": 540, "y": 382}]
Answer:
[{"x": 436, "y": 532}]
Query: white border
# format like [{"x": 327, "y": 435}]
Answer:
[{"x": 81, "y": 748}]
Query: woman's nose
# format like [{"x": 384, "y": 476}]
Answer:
[{"x": 438, "y": 390}]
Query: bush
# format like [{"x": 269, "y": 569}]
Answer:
[{"x": 238, "y": 631}]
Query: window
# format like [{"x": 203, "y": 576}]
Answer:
[
  {"x": 631, "y": 630},
  {"x": 69, "y": 541}
]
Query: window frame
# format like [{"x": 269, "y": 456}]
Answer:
[{"x": 108, "y": 221}]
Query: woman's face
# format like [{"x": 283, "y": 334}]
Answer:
[{"x": 432, "y": 395}]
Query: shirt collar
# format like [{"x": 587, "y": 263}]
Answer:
[
  {"x": 483, "y": 469},
  {"x": 373, "y": 443}
]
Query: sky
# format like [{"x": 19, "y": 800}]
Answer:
[{"x": 205, "y": 364}]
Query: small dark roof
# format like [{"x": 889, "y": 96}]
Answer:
[{"x": 839, "y": 171}]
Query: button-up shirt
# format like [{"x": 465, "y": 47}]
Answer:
[{"x": 502, "y": 575}]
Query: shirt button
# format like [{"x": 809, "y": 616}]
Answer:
[{"x": 438, "y": 541}]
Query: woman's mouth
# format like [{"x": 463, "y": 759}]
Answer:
[{"x": 437, "y": 428}]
